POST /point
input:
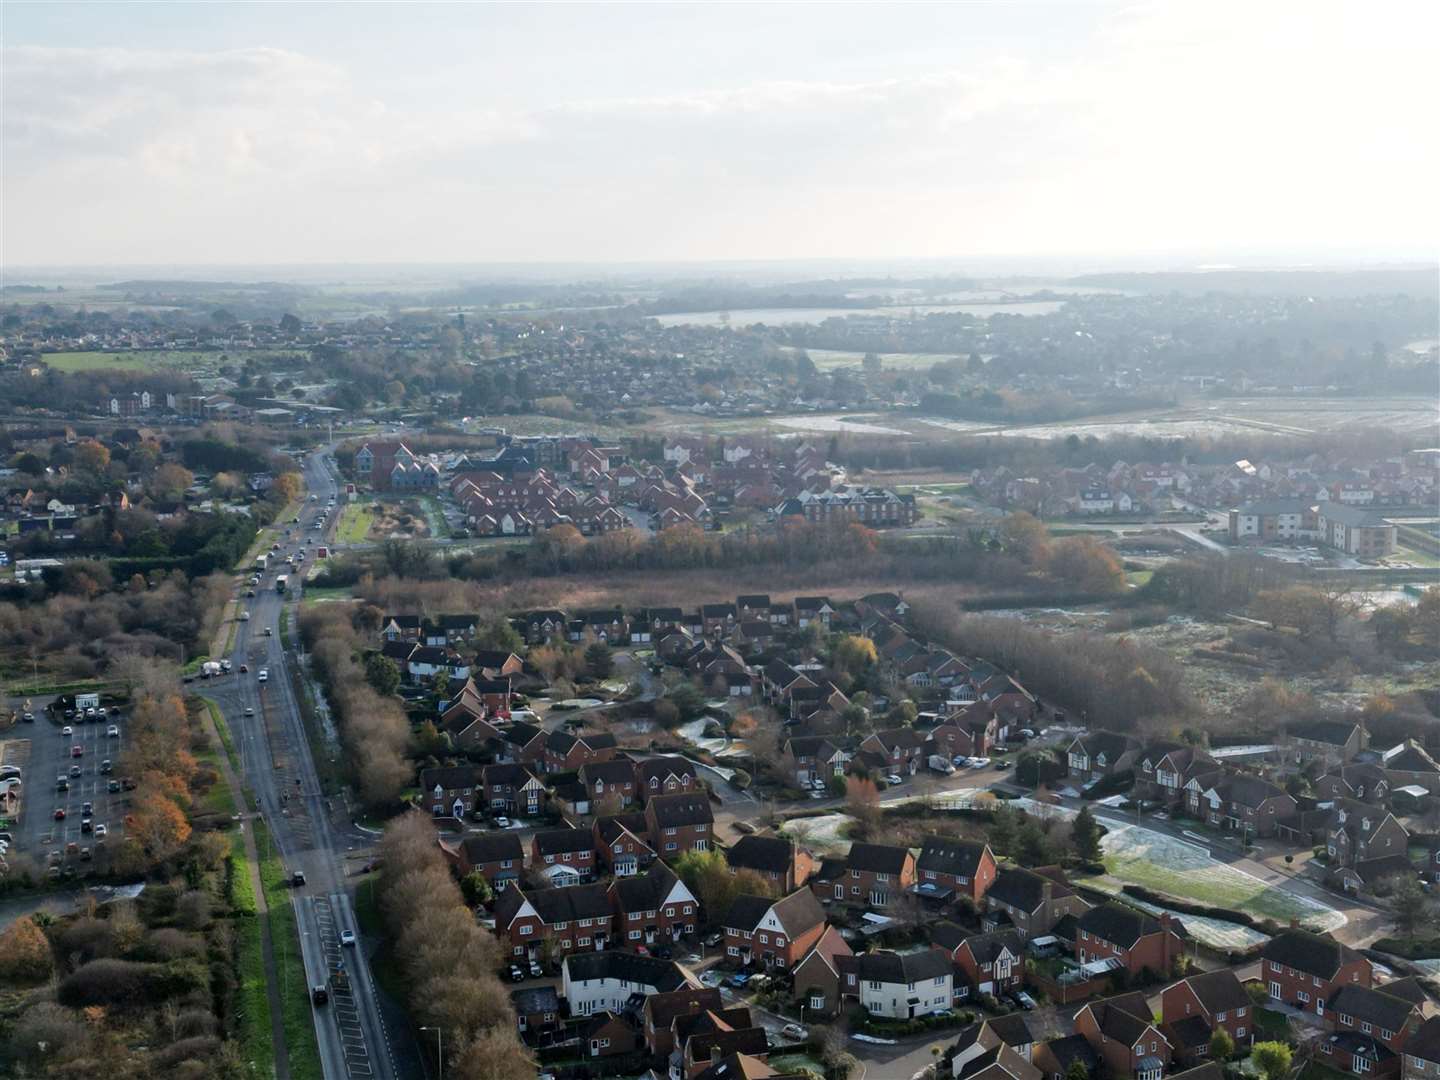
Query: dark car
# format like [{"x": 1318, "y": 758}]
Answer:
[{"x": 113, "y": 786}]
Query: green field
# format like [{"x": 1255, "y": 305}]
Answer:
[{"x": 252, "y": 1005}]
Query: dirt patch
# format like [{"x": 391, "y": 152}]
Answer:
[{"x": 397, "y": 521}]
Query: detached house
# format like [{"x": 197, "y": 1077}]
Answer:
[
  {"x": 900, "y": 986},
  {"x": 812, "y": 757},
  {"x": 1140, "y": 942},
  {"x": 565, "y": 752},
  {"x": 870, "y": 875},
  {"x": 512, "y": 789},
  {"x": 1305, "y": 970},
  {"x": 667, "y": 775},
  {"x": 965, "y": 867},
  {"x": 993, "y": 963},
  {"x": 1098, "y": 754},
  {"x": 1194, "y": 1008},
  {"x": 622, "y": 843},
  {"x": 660, "y": 1011},
  {"x": 1334, "y": 742},
  {"x": 1422, "y": 1052},
  {"x": 452, "y": 791},
  {"x": 776, "y": 933},
  {"x": 817, "y": 979},
  {"x": 1359, "y": 833},
  {"x": 783, "y": 863},
  {"x": 1122, "y": 1031},
  {"x": 902, "y": 748},
  {"x": 608, "y": 784},
  {"x": 1239, "y": 803},
  {"x": 1374, "y": 1026},
  {"x": 1033, "y": 901},
  {"x": 498, "y": 856}
]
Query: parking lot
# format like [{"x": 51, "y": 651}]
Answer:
[{"x": 44, "y": 754}]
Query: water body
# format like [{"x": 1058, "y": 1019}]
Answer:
[{"x": 812, "y": 316}]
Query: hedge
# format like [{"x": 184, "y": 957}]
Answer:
[{"x": 1188, "y": 907}]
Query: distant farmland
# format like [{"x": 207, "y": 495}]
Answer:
[{"x": 145, "y": 359}]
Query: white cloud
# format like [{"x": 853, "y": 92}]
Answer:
[{"x": 1177, "y": 125}]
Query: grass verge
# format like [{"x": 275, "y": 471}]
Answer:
[
  {"x": 300, "y": 1044},
  {"x": 252, "y": 1001},
  {"x": 285, "y": 628},
  {"x": 226, "y": 739}
]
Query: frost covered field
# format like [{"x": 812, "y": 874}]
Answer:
[
  {"x": 823, "y": 835},
  {"x": 1139, "y": 856}
]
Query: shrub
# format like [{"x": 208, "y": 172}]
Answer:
[
  {"x": 105, "y": 982},
  {"x": 25, "y": 952}
]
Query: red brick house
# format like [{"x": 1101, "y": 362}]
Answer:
[
  {"x": 1306, "y": 970},
  {"x": 1373, "y": 1026},
  {"x": 467, "y": 727},
  {"x": 622, "y": 843},
  {"x": 1239, "y": 803},
  {"x": 565, "y": 752},
  {"x": 817, "y": 980},
  {"x": 666, "y": 775},
  {"x": 679, "y": 823},
  {"x": 870, "y": 875},
  {"x": 1194, "y": 1008},
  {"x": 577, "y": 919},
  {"x": 498, "y": 856},
  {"x": 451, "y": 790},
  {"x": 965, "y": 866},
  {"x": 604, "y": 1035},
  {"x": 609, "y": 784},
  {"x": 511, "y": 788},
  {"x": 1033, "y": 900},
  {"x": 776, "y": 933},
  {"x": 661, "y": 1010},
  {"x": 903, "y": 748},
  {"x": 1139, "y": 941},
  {"x": 521, "y": 742},
  {"x": 564, "y": 856},
  {"x": 653, "y": 907},
  {"x": 783, "y": 863},
  {"x": 812, "y": 757},
  {"x": 992, "y": 963},
  {"x": 1122, "y": 1031}
]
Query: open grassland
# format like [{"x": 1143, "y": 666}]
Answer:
[
  {"x": 148, "y": 359},
  {"x": 354, "y": 523}
]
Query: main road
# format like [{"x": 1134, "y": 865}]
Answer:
[{"x": 312, "y": 832}]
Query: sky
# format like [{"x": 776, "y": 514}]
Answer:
[{"x": 177, "y": 133}]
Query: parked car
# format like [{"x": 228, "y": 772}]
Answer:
[
  {"x": 347, "y": 937},
  {"x": 1024, "y": 1000},
  {"x": 113, "y": 731},
  {"x": 77, "y": 750},
  {"x": 106, "y": 767},
  {"x": 714, "y": 939},
  {"x": 795, "y": 1032},
  {"x": 86, "y": 825},
  {"x": 75, "y": 770},
  {"x": 979, "y": 762},
  {"x": 739, "y": 979},
  {"x": 502, "y": 822},
  {"x": 892, "y": 780},
  {"x": 99, "y": 832},
  {"x": 59, "y": 813},
  {"x": 67, "y": 730},
  {"x": 113, "y": 786},
  {"x": 516, "y": 975}
]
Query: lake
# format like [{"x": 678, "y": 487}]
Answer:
[{"x": 781, "y": 316}]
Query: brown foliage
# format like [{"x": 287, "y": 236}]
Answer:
[{"x": 24, "y": 952}]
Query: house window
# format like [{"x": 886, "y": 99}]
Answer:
[
  {"x": 874, "y": 985},
  {"x": 561, "y": 926},
  {"x": 583, "y": 941},
  {"x": 526, "y": 931},
  {"x": 1365, "y": 1026},
  {"x": 1239, "y": 1032}
]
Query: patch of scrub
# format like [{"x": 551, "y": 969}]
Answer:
[
  {"x": 1166, "y": 864},
  {"x": 822, "y": 834},
  {"x": 694, "y": 734},
  {"x": 835, "y": 423}
]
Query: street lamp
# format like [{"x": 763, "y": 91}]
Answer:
[{"x": 439, "y": 1048}]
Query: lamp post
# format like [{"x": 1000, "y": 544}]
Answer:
[{"x": 439, "y": 1048}]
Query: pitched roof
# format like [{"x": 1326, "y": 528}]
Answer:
[
  {"x": 892, "y": 967},
  {"x": 560, "y": 841},
  {"x": 647, "y": 891},
  {"x": 1378, "y": 1006},
  {"x": 1024, "y": 889},
  {"x": 1074, "y": 1048},
  {"x": 1307, "y": 952},
  {"x": 947, "y": 935},
  {"x": 1425, "y": 1042},
  {"x": 1118, "y": 924},
  {"x": 493, "y": 847},
  {"x": 672, "y": 811},
  {"x": 536, "y": 999},
  {"x": 877, "y": 858},
  {"x": 664, "y": 975},
  {"x": 569, "y": 904},
  {"x": 663, "y": 766},
  {"x": 1125, "y": 1017},
  {"x": 947, "y": 855},
  {"x": 663, "y": 1008},
  {"x": 770, "y": 854},
  {"x": 1218, "y": 991},
  {"x": 986, "y": 947}
]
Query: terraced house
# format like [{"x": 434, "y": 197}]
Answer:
[
  {"x": 1372, "y": 1026},
  {"x": 536, "y": 921},
  {"x": 776, "y": 933},
  {"x": 948, "y": 865},
  {"x": 652, "y": 907},
  {"x": 679, "y": 823}
]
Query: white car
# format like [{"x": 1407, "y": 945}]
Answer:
[
  {"x": 979, "y": 762},
  {"x": 113, "y": 731},
  {"x": 67, "y": 730},
  {"x": 795, "y": 1032},
  {"x": 244, "y": 616},
  {"x": 502, "y": 822},
  {"x": 347, "y": 937},
  {"x": 264, "y": 675},
  {"x": 892, "y": 779}
]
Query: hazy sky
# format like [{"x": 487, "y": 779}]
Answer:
[{"x": 270, "y": 133}]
